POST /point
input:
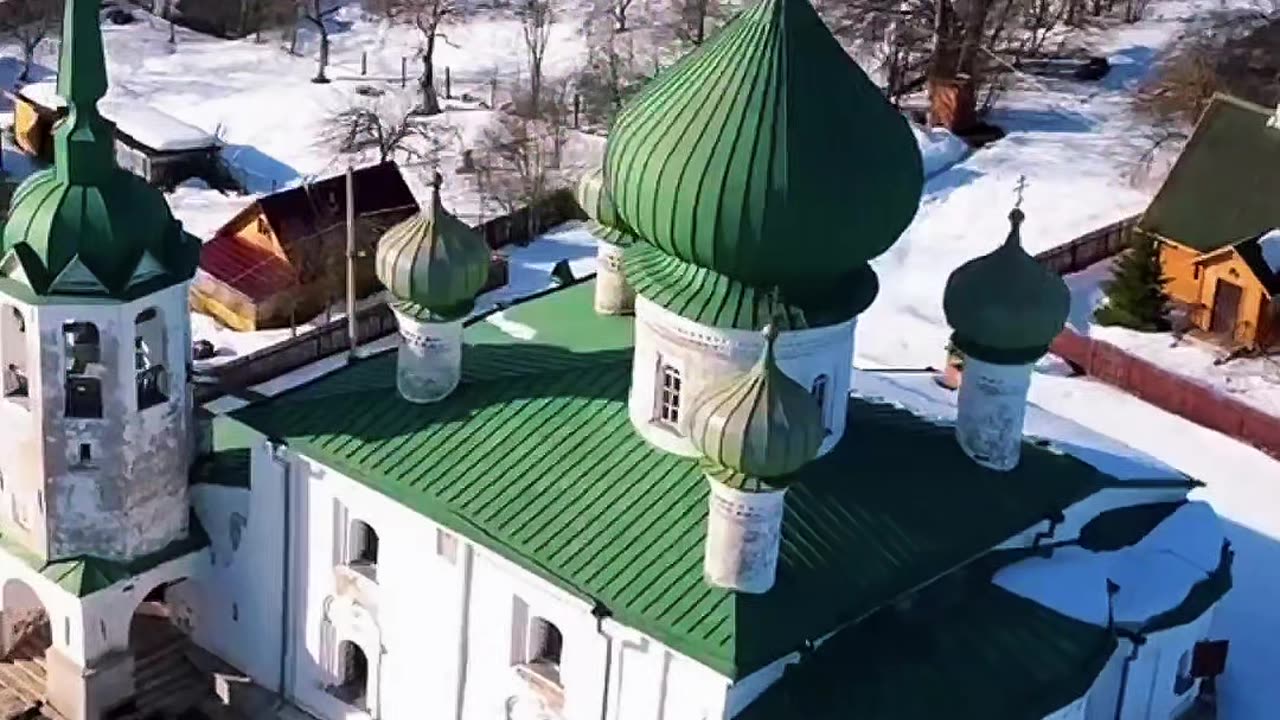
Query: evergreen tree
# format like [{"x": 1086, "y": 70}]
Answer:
[{"x": 1135, "y": 293}]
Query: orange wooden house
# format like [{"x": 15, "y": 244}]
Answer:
[
  {"x": 1213, "y": 220},
  {"x": 283, "y": 258}
]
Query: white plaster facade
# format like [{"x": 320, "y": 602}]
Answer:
[
  {"x": 614, "y": 295},
  {"x": 429, "y": 361},
  {"x": 680, "y": 356},
  {"x": 103, "y": 472}
]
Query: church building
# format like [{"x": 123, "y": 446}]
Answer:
[{"x": 659, "y": 493}]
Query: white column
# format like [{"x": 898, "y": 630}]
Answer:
[
  {"x": 992, "y": 406},
  {"x": 429, "y": 363},
  {"x": 614, "y": 295},
  {"x": 744, "y": 531}
]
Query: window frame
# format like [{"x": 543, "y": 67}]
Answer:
[{"x": 668, "y": 389}]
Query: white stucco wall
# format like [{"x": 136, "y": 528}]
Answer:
[
  {"x": 414, "y": 631},
  {"x": 705, "y": 356}
]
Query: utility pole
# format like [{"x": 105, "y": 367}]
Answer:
[{"x": 353, "y": 329}]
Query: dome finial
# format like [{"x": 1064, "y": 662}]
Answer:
[
  {"x": 1016, "y": 216},
  {"x": 437, "y": 180}
]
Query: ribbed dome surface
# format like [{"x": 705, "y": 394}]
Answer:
[
  {"x": 593, "y": 198},
  {"x": 766, "y": 155},
  {"x": 434, "y": 261},
  {"x": 1005, "y": 307},
  {"x": 84, "y": 226},
  {"x": 759, "y": 427}
]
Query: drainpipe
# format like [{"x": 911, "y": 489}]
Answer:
[
  {"x": 1137, "y": 641},
  {"x": 279, "y": 454},
  {"x": 464, "y": 631},
  {"x": 602, "y": 613}
]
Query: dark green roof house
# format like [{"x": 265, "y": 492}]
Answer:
[{"x": 1221, "y": 197}]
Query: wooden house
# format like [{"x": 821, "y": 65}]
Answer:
[
  {"x": 158, "y": 147},
  {"x": 1210, "y": 218},
  {"x": 283, "y": 258}
]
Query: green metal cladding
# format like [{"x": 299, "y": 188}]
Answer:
[
  {"x": 1005, "y": 307},
  {"x": 766, "y": 155},
  {"x": 760, "y": 427},
  {"x": 85, "y": 226},
  {"x": 434, "y": 262},
  {"x": 593, "y": 198}
]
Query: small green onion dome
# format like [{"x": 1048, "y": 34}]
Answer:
[
  {"x": 758, "y": 429},
  {"x": 1005, "y": 307},
  {"x": 434, "y": 262},
  {"x": 766, "y": 155},
  {"x": 85, "y": 226},
  {"x": 594, "y": 199}
]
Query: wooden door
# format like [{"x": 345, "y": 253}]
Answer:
[{"x": 1226, "y": 307}]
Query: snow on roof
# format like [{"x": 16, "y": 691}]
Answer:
[
  {"x": 149, "y": 126},
  {"x": 1154, "y": 575},
  {"x": 1270, "y": 246},
  {"x": 920, "y": 394}
]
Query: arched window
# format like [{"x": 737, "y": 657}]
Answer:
[
  {"x": 13, "y": 348},
  {"x": 83, "y": 353},
  {"x": 668, "y": 405},
  {"x": 362, "y": 549},
  {"x": 819, "y": 392},
  {"x": 543, "y": 646},
  {"x": 353, "y": 675},
  {"x": 148, "y": 348}
]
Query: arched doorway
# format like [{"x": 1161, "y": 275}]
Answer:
[
  {"x": 165, "y": 680},
  {"x": 26, "y": 635}
]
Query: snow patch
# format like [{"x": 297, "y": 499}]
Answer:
[
  {"x": 517, "y": 330},
  {"x": 133, "y": 116}
]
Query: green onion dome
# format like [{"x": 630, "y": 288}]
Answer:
[
  {"x": 1005, "y": 307},
  {"x": 767, "y": 156},
  {"x": 757, "y": 430},
  {"x": 594, "y": 199},
  {"x": 85, "y": 226},
  {"x": 433, "y": 263}
]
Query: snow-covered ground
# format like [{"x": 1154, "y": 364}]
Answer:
[{"x": 1255, "y": 381}]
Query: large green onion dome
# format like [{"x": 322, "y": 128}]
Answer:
[
  {"x": 755, "y": 431},
  {"x": 766, "y": 156},
  {"x": 593, "y": 198},
  {"x": 86, "y": 226},
  {"x": 433, "y": 263},
  {"x": 1005, "y": 307}
]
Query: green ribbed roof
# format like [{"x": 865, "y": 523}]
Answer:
[
  {"x": 85, "y": 226},
  {"x": 433, "y": 262},
  {"x": 1005, "y": 307},
  {"x": 761, "y": 426},
  {"x": 534, "y": 457},
  {"x": 767, "y": 155}
]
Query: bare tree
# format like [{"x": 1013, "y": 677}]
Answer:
[
  {"x": 28, "y": 23},
  {"x": 427, "y": 16},
  {"x": 616, "y": 10},
  {"x": 536, "y": 17},
  {"x": 692, "y": 15},
  {"x": 609, "y": 73},
  {"x": 387, "y": 126},
  {"x": 259, "y": 15},
  {"x": 515, "y": 165},
  {"x": 317, "y": 13}
]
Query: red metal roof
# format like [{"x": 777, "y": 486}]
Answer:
[{"x": 245, "y": 267}]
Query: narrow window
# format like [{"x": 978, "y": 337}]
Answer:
[
  {"x": 1182, "y": 682},
  {"x": 353, "y": 675},
  {"x": 668, "y": 395},
  {"x": 83, "y": 353},
  {"x": 263, "y": 229},
  {"x": 544, "y": 646},
  {"x": 819, "y": 392},
  {"x": 235, "y": 612},
  {"x": 362, "y": 554},
  {"x": 86, "y": 453},
  {"x": 148, "y": 348},
  {"x": 13, "y": 344}
]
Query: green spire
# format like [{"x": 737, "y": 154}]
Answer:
[
  {"x": 85, "y": 227},
  {"x": 83, "y": 143},
  {"x": 433, "y": 263},
  {"x": 758, "y": 429},
  {"x": 1005, "y": 307},
  {"x": 767, "y": 156}
]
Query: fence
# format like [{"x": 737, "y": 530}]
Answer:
[
  {"x": 1089, "y": 248},
  {"x": 1177, "y": 394}
]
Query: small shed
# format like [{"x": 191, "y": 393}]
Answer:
[
  {"x": 1212, "y": 219},
  {"x": 156, "y": 146}
]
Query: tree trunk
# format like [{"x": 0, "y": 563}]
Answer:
[
  {"x": 324, "y": 54},
  {"x": 430, "y": 99},
  {"x": 28, "y": 58}
]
